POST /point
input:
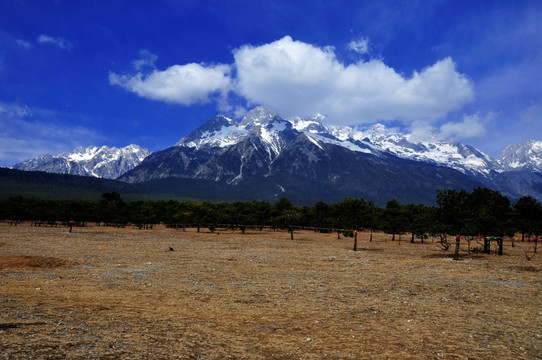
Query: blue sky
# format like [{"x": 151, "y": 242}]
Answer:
[{"x": 80, "y": 73}]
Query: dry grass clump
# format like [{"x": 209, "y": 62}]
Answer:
[{"x": 113, "y": 293}]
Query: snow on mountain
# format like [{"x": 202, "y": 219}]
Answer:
[
  {"x": 526, "y": 156},
  {"x": 433, "y": 150},
  {"x": 219, "y": 131},
  {"x": 458, "y": 156},
  {"x": 257, "y": 117},
  {"x": 223, "y": 132},
  {"x": 103, "y": 162},
  {"x": 263, "y": 122}
]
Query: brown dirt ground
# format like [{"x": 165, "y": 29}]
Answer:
[{"x": 108, "y": 293}]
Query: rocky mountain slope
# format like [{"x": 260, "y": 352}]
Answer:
[{"x": 526, "y": 156}]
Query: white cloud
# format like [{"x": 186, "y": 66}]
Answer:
[
  {"x": 296, "y": 78},
  {"x": 56, "y": 41},
  {"x": 361, "y": 46},
  {"x": 424, "y": 131},
  {"x": 14, "y": 110},
  {"x": 146, "y": 59},
  {"x": 471, "y": 126},
  {"x": 286, "y": 75},
  {"x": 183, "y": 84},
  {"x": 24, "y": 44}
]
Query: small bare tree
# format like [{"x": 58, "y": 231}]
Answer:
[
  {"x": 444, "y": 243},
  {"x": 528, "y": 254}
]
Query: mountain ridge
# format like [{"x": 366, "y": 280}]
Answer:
[
  {"x": 101, "y": 162},
  {"x": 296, "y": 156},
  {"x": 308, "y": 162}
]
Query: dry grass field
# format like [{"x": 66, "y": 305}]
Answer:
[{"x": 108, "y": 293}]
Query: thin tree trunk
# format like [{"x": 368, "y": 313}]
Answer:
[
  {"x": 457, "y": 242},
  {"x": 487, "y": 246},
  {"x": 356, "y": 241}
]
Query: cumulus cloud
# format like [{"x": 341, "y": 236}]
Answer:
[
  {"x": 289, "y": 76},
  {"x": 361, "y": 46},
  {"x": 182, "y": 84},
  {"x": 471, "y": 126},
  {"x": 297, "y": 78},
  {"x": 56, "y": 41}
]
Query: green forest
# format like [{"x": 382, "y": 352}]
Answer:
[{"x": 483, "y": 212}]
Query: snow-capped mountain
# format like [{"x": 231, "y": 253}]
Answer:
[
  {"x": 307, "y": 160},
  {"x": 250, "y": 147},
  {"x": 431, "y": 149},
  {"x": 299, "y": 158},
  {"x": 222, "y": 132},
  {"x": 103, "y": 162},
  {"x": 526, "y": 156}
]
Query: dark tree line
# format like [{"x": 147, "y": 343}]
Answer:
[{"x": 482, "y": 214}]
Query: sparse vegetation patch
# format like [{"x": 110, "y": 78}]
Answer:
[{"x": 121, "y": 293}]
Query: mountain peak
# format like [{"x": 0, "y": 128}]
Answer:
[
  {"x": 217, "y": 131},
  {"x": 525, "y": 156},
  {"x": 260, "y": 115}
]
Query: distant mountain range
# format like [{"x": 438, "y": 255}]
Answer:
[
  {"x": 101, "y": 162},
  {"x": 306, "y": 161}
]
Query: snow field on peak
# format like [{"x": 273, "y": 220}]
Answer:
[{"x": 226, "y": 136}]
